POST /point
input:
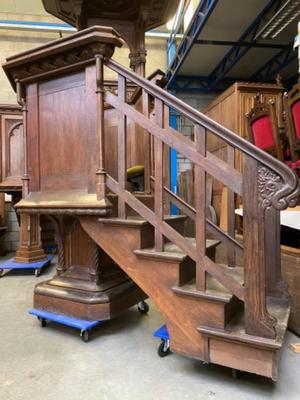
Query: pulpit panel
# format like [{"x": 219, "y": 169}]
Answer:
[{"x": 64, "y": 149}]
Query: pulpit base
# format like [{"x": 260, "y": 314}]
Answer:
[{"x": 89, "y": 304}]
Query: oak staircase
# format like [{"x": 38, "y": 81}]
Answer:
[{"x": 217, "y": 313}]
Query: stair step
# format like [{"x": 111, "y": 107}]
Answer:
[
  {"x": 171, "y": 251},
  {"x": 235, "y": 330},
  {"x": 172, "y": 248},
  {"x": 139, "y": 221},
  {"x": 215, "y": 291}
]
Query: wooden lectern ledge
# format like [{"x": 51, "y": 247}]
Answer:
[{"x": 62, "y": 200}]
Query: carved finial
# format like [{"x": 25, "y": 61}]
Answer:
[{"x": 278, "y": 80}]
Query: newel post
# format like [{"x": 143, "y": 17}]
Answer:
[
  {"x": 102, "y": 51},
  {"x": 100, "y": 173},
  {"x": 22, "y": 102},
  {"x": 258, "y": 322}
]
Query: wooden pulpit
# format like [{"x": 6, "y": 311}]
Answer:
[{"x": 61, "y": 88}]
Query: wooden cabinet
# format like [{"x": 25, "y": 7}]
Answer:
[{"x": 229, "y": 109}]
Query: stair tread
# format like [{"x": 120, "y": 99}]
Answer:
[
  {"x": 214, "y": 290},
  {"x": 235, "y": 330},
  {"x": 171, "y": 251},
  {"x": 237, "y": 273},
  {"x": 172, "y": 248},
  {"x": 135, "y": 220}
]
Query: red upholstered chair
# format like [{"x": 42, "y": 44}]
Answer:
[
  {"x": 263, "y": 128},
  {"x": 291, "y": 101}
]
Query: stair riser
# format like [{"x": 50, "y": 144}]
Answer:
[
  {"x": 243, "y": 357},
  {"x": 216, "y": 313}
]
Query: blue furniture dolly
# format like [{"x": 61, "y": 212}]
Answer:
[
  {"x": 84, "y": 326},
  {"x": 164, "y": 347},
  {"x": 37, "y": 266}
]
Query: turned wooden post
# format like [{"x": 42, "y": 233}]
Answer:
[
  {"x": 257, "y": 320},
  {"x": 94, "y": 263},
  {"x": 101, "y": 173}
]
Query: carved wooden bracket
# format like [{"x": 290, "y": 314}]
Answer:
[{"x": 274, "y": 191}]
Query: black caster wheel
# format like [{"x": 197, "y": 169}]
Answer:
[
  {"x": 236, "y": 374},
  {"x": 164, "y": 348},
  {"x": 143, "y": 307},
  {"x": 84, "y": 336},
  {"x": 37, "y": 272},
  {"x": 43, "y": 322}
]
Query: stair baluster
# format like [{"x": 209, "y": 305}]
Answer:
[
  {"x": 230, "y": 210},
  {"x": 200, "y": 205},
  {"x": 158, "y": 165},
  {"x": 122, "y": 159}
]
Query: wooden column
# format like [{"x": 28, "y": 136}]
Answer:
[
  {"x": 257, "y": 320},
  {"x": 94, "y": 263},
  {"x": 101, "y": 173},
  {"x": 30, "y": 249}
]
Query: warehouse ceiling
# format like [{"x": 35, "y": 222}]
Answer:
[{"x": 231, "y": 40}]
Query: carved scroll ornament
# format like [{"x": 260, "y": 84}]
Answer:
[{"x": 274, "y": 191}]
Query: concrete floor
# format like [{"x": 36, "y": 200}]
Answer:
[{"x": 119, "y": 363}]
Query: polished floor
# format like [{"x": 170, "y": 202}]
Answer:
[{"x": 119, "y": 363}]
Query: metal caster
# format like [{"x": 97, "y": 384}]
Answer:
[
  {"x": 236, "y": 374},
  {"x": 143, "y": 307},
  {"x": 84, "y": 336},
  {"x": 37, "y": 272},
  {"x": 43, "y": 322},
  {"x": 164, "y": 348}
]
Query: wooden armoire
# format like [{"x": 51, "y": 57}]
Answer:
[{"x": 229, "y": 109}]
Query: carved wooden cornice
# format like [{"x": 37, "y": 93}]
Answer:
[{"x": 63, "y": 53}]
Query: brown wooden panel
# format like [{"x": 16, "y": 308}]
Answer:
[{"x": 65, "y": 152}]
